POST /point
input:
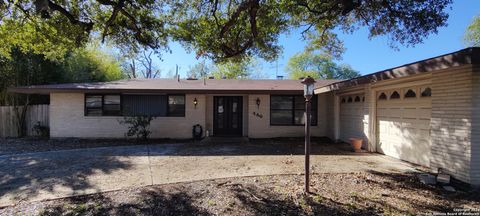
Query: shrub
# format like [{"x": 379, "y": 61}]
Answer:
[
  {"x": 41, "y": 130},
  {"x": 138, "y": 126}
]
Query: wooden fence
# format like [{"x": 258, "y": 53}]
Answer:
[{"x": 9, "y": 120}]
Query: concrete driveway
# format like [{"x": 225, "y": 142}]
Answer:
[{"x": 56, "y": 174}]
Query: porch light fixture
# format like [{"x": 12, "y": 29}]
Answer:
[
  {"x": 308, "y": 84},
  {"x": 195, "y": 102},
  {"x": 258, "y": 103}
]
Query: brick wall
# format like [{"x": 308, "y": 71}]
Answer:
[
  {"x": 67, "y": 120},
  {"x": 475, "y": 140},
  {"x": 452, "y": 120},
  {"x": 259, "y": 125}
]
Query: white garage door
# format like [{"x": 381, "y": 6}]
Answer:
[
  {"x": 403, "y": 124},
  {"x": 351, "y": 117}
]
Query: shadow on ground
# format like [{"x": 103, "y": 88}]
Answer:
[
  {"x": 335, "y": 194},
  {"x": 70, "y": 172},
  {"x": 23, "y": 176}
]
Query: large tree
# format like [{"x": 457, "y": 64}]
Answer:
[
  {"x": 318, "y": 66},
  {"x": 83, "y": 65},
  {"x": 217, "y": 29},
  {"x": 246, "y": 69},
  {"x": 90, "y": 65},
  {"x": 199, "y": 70},
  {"x": 472, "y": 34}
]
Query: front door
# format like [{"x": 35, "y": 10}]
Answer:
[{"x": 227, "y": 116}]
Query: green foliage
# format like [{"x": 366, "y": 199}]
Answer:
[
  {"x": 41, "y": 130},
  {"x": 52, "y": 38},
  {"x": 91, "y": 65},
  {"x": 245, "y": 69},
  {"x": 318, "y": 66},
  {"x": 138, "y": 126},
  {"x": 199, "y": 70},
  {"x": 219, "y": 30},
  {"x": 26, "y": 69},
  {"x": 472, "y": 34},
  {"x": 82, "y": 65}
]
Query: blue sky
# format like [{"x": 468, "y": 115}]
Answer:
[{"x": 364, "y": 55}]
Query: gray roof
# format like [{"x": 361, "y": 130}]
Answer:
[
  {"x": 468, "y": 56},
  {"x": 174, "y": 85}
]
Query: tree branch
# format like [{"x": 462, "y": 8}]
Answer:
[
  {"x": 88, "y": 26},
  {"x": 116, "y": 8}
]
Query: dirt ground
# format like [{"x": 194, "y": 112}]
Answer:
[
  {"x": 39, "y": 176},
  {"x": 371, "y": 193},
  {"x": 12, "y": 146}
]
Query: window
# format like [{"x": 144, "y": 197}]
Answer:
[
  {"x": 102, "y": 105},
  {"x": 111, "y": 105},
  {"x": 343, "y": 100},
  {"x": 410, "y": 94},
  {"x": 132, "y": 105},
  {"x": 147, "y": 105},
  {"x": 350, "y": 99},
  {"x": 357, "y": 99},
  {"x": 395, "y": 95},
  {"x": 382, "y": 96},
  {"x": 176, "y": 105},
  {"x": 290, "y": 110},
  {"x": 427, "y": 92}
]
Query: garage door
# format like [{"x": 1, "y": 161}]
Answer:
[
  {"x": 351, "y": 117},
  {"x": 403, "y": 124}
]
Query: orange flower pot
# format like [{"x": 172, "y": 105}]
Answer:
[{"x": 356, "y": 144}]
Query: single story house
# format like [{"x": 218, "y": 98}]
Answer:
[{"x": 426, "y": 112}]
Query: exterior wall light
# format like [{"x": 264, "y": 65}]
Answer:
[
  {"x": 195, "y": 102},
  {"x": 258, "y": 103}
]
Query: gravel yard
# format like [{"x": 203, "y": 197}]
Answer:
[{"x": 334, "y": 194}]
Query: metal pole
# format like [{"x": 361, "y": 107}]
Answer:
[{"x": 307, "y": 144}]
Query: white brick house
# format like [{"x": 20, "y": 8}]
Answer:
[{"x": 427, "y": 112}]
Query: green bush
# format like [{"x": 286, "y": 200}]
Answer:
[
  {"x": 41, "y": 130},
  {"x": 138, "y": 126}
]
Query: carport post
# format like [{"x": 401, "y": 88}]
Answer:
[{"x": 308, "y": 93}]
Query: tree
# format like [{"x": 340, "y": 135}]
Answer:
[
  {"x": 219, "y": 29},
  {"x": 23, "y": 69},
  {"x": 472, "y": 34},
  {"x": 236, "y": 70},
  {"x": 141, "y": 65},
  {"x": 90, "y": 65},
  {"x": 199, "y": 70},
  {"x": 318, "y": 66}
]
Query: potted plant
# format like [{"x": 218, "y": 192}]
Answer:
[{"x": 356, "y": 144}]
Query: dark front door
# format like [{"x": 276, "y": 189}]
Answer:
[{"x": 227, "y": 116}]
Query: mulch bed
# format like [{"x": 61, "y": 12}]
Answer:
[{"x": 333, "y": 194}]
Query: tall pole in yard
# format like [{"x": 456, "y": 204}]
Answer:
[{"x": 308, "y": 94}]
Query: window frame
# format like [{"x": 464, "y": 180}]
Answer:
[
  {"x": 394, "y": 96},
  {"x": 406, "y": 92},
  {"x": 184, "y": 105},
  {"x": 293, "y": 109},
  {"x": 85, "y": 113},
  {"x": 103, "y": 103},
  {"x": 424, "y": 90}
]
